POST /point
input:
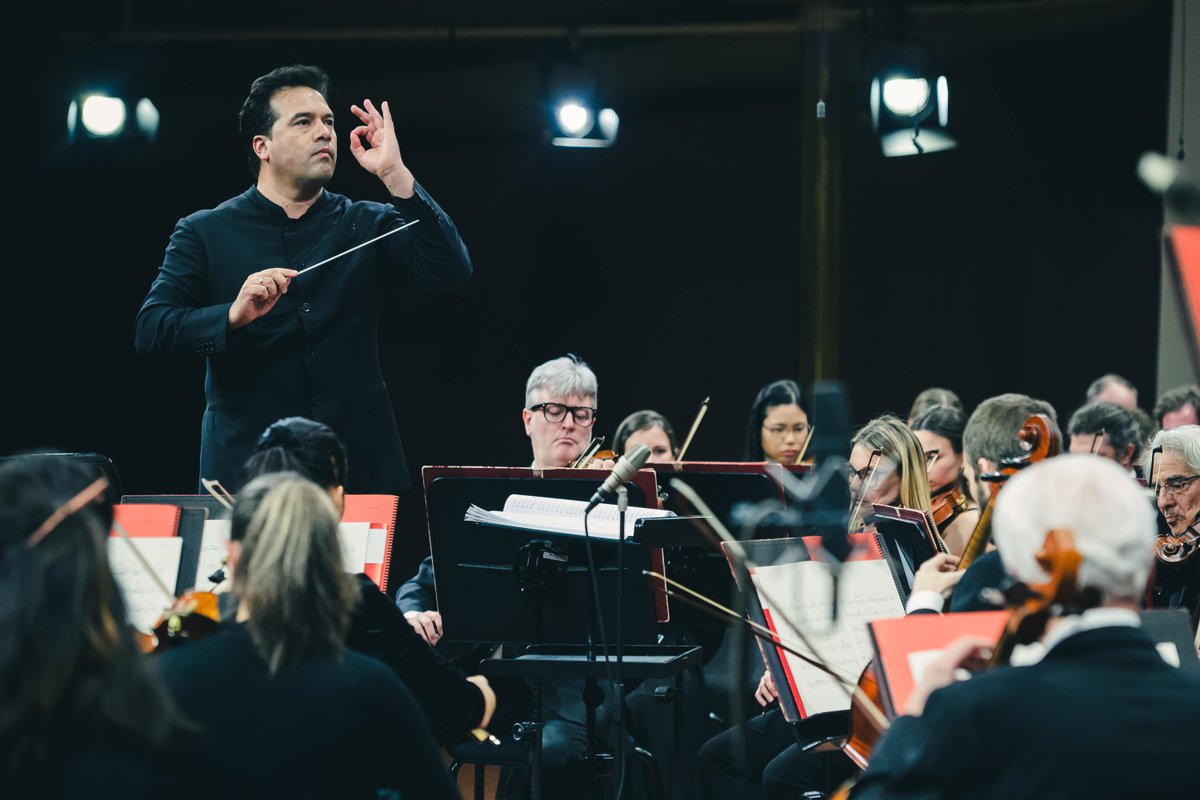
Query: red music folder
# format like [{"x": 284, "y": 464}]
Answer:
[
  {"x": 380, "y": 511},
  {"x": 146, "y": 520},
  {"x": 904, "y": 647}
]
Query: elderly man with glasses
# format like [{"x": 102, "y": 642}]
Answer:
[{"x": 1172, "y": 464}]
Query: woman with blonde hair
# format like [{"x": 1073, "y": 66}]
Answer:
[
  {"x": 887, "y": 467},
  {"x": 286, "y": 710}
]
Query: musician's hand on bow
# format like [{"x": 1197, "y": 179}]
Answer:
[
  {"x": 766, "y": 692},
  {"x": 373, "y": 144},
  {"x": 939, "y": 574},
  {"x": 965, "y": 655},
  {"x": 427, "y": 624},
  {"x": 259, "y": 294}
]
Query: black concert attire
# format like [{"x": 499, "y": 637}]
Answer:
[
  {"x": 1090, "y": 720},
  {"x": 315, "y": 354},
  {"x": 101, "y": 764},
  {"x": 772, "y": 765},
  {"x": 451, "y": 703},
  {"x": 342, "y": 727}
]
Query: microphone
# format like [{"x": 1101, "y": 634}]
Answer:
[{"x": 622, "y": 474}]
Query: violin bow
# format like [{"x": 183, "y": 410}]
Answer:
[
  {"x": 741, "y": 558},
  {"x": 588, "y": 453},
  {"x": 695, "y": 425},
  {"x": 804, "y": 447},
  {"x": 219, "y": 492},
  {"x": 141, "y": 558},
  {"x": 873, "y": 463}
]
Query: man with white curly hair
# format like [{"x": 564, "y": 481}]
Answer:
[{"x": 1101, "y": 695}]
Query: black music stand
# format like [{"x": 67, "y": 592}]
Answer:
[{"x": 532, "y": 589}]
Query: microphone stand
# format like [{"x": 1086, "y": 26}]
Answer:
[{"x": 618, "y": 683}]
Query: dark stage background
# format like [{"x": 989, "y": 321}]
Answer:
[{"x": 1026, "y": 260}]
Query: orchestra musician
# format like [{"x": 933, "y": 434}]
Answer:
[
  {"x": 453, "y": 704},
  {"x": 933, "y": 396},
  {"x": 284, "y": 708},
  {"x": 778, "y": 426},
  {"x": 1112, "y": 388},
  {"x": 990, "y": 437},
  {"x": 887, "y": 468},
  {"x": 1178, "y": 406},
  {"x": 559, "y": 413},
  {"x": 940, "y": 431},
  {"x": 1107, "y": 430},
  {"x": 651, "y": 429},
  {"x": 1176, "y": 482},
  {"x": 278, "y": 342},
  {"x": 82, "y": 715},
  {"x": 1101, "y": 695}
]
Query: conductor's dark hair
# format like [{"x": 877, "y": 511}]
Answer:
[
  {"x": 70, "y": 670},
  {"x": 257, "y": 116},
  {"x": 779, "y": 393},
  {"x": 296, "y": 444}
]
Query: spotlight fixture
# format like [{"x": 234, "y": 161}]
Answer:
[
  {"x": 101, "y": 115},
  {"x": 906, "y": 91},
  {"x": 577, "y": 118}
]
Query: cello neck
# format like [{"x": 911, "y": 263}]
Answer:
[{"x": 979, "y": 538}]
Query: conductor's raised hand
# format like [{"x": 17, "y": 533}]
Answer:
[
  {"x": 259, "y": 294},
  {"x": 373, "y": 144}
]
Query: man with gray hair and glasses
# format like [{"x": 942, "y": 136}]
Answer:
[
  {"x": 1172, "y": 465},
  {"x": 559, "y": 412}
]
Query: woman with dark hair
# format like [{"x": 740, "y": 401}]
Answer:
[
  {"x": 651, "y": 429},
  {"x": 453, "y": 704},
  {"x": 286, "y": 710},
  {"x": 81, "y": 713},
  {"x": 940, "y": 431},
  {"x": 778, "y": 426}
]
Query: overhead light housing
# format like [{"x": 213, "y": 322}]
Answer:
[
  {"x": 909, "y": 100},
  {"x": 99, "y": 115},
  {"x": 577, "y": 117}
]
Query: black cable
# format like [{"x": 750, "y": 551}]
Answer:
[{"x": 592, "y": 574}]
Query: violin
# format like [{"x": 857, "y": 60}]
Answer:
[
  {"x": 946, "y": 504},
  {"x": 1041, "y": 439},
  {"x": 192, "y": 616},
  {"x": 1172, "y": 549}
]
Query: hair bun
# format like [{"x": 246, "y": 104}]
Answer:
[{"x": 278, "y": 435}]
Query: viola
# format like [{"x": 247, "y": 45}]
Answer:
[
  {"x": 1041, "y": 439},
  {"x": 1172, "y": 549}
]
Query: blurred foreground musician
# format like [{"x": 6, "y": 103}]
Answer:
[{"x": 1101, "y": 695}]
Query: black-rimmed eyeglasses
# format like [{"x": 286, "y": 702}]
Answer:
[{"x": 556, "y": 412}]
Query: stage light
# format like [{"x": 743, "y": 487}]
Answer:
[
  {"x": 906, "y": 91},
  {"x": 574, "y": 118},
  {"x": 96, "y": 115},
  {"x": 577, "y": 117},
  {"x": 103, "y": 116}
]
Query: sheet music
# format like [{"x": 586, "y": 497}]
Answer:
[
  {"x": 143, "y": 597},
  {"x": 354, "y": 536},
  {"x": 376, "y": 545},
  {"x": 214, "y": 546},
  {"x": 802, "y": 594},
  {"x": 563, "y": 516}
]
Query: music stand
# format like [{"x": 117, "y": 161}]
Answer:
[{"x": 536, "y": 587}]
